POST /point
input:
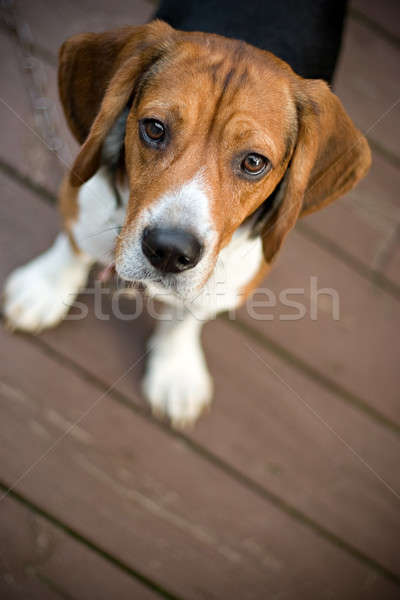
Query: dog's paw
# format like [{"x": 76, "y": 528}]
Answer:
[
  {"x": 33, "y": 302},
  {"x": 38, "y": 295},
  {"x": 178, "y": 386}
]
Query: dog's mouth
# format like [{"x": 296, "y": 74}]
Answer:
[{"x": 162, "y": 283}]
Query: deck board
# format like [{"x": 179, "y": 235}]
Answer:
[
  {"x": 346, "y": 350},
  {"x": 159, "y": 507},
  {"x": 44, "y": 562},
  {"x": 364, "y": 222},
  {"x": 385, "y": 14},
  {"x": 23, "y": 145},
  {"x": 372, "y": 101}
]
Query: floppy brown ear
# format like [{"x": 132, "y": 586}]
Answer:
[
  {"x": 329, "y": 158},
  {"x": 97, "y": 74}
]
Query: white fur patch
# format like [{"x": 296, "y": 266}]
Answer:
[
  {"x": 39, "y": 294},
  {"x": 99, "y": 218},
  {"x": 236, "y": 265}
]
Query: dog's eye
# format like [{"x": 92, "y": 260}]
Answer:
[
  {"x": 254, "y": 164},
  {"x": 152, "y": 131}
]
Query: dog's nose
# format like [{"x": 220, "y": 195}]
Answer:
[{"x": 171, "y": 250}]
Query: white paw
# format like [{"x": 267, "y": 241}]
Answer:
[
  {"x": 178, "y": 385},
  {"x": 39, "y": 294}
]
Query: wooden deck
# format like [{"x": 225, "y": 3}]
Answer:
[{"x": 290, "y": 487}]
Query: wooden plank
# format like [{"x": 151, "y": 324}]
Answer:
[
  {"x": 386, "y": 13},
  {"x": 257, "y": 426},
  {"x": 37, "y": 555},
  {"x": 392, "y": 267},
  {"x": 367, "y": 82},
  {"x": 27, "y": 587},
  {"x": 358, "y": 351},
  {"x": 22, "y": 144},
  {"x": 51, "y": 25},
  {"x": 150, "y": 500},
  {"x": 363, "y": 223}
]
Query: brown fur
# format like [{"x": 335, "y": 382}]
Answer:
[
  {"x": 219, "y": 98},
  {"x": 68, "y": 206}
]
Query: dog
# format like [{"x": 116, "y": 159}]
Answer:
[{"x": 198, "y": 154}]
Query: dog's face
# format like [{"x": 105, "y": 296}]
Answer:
[
  {"x": 211, "y": 128},
  {"x": 204, "y": 149}
]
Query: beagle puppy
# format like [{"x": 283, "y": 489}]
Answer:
[{"x": 199, "y": 153}]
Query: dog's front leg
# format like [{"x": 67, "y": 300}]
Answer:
[{"x": 177, "y": 382}]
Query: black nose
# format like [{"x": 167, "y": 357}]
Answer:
[{"x": 171, "y": 250}]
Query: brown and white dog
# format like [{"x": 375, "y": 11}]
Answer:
[{"x": 215, "y": 148}]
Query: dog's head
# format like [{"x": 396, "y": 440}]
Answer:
[{"x": 211, "y": 131}]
